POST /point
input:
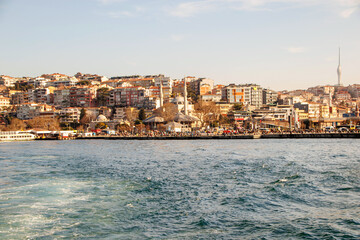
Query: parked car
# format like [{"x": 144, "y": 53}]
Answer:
[
  {"x": 343, "y": 129},
  {"x": 329, "y": 129}
]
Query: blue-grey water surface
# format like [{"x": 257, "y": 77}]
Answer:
[{"x": 210, "y": 189}]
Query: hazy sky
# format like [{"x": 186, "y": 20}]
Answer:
[{"x": 281, "y": 44}]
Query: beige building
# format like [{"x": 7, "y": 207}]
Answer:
[{"x": 4, "y": 102}]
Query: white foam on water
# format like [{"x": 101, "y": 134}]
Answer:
[{"x": 39, "y": 214}]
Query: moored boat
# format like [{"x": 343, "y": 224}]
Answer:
[{"x": 16, "y": 136}]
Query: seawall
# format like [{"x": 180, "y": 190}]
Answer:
[{"x": 250, "y": 136}]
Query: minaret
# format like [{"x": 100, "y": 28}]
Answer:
[
  {"x": 339, "y": 71},
  {"x": 185, "y": 99},
  {"x": 161, "y": 95}
]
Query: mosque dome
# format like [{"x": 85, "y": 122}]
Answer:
[
  {"x": 178, "y": 100},
  {"x": 101, "y": 118}
]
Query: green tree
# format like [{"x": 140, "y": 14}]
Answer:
[
  {"x": 102, "y": 96},
  {"x": 237, "y": 106},
  {"x": 82, "y": 113},
  {"x": 142, "y": 115},
  {"x": 101, "y": 125},
  {"x": 84, "y": 82},
  {"x": 192, "y": 94}
]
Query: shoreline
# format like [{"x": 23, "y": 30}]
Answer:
[{"x": 248, "y": 136}]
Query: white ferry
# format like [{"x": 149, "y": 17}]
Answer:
[{"x": 16, "y": 136}]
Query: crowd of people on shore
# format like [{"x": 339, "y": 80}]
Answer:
[{"x": 209, "y": 133}]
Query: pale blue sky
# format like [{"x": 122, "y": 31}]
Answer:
[{"x": 281, "y": 44}]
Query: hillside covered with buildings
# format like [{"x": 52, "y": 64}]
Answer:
[{"x": 87, "y": 102}]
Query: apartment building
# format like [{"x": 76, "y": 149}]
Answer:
[
  {"x": 127, "y": 96},
  {"x": 248, "y": 94},
  {"x": 202, "y": 86},
  {"x": 62, "y": 97},
  {"x": 21, "y": 98},
  {"x": 4, "y": 102},
  {"x": 269, "y": 96},
  {"x": 70, "y": 114},
  {"x": 30, "y": 110},
  {"x": 166, "y": 81},
  {"x": 39, "y": 95},
  {"x": 82, "y": 97},
  {"x": 7, "y": 81}
]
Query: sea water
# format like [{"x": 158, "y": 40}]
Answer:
[{"x": 180, "y": 189}]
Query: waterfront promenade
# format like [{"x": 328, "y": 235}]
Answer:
[{"x": 227, "y": 136}]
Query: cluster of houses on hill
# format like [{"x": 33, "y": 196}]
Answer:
[{"x": 118, "y": 100}]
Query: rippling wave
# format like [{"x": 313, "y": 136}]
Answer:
[{"x": 211, "y": 189}]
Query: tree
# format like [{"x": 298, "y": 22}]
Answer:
[
  {"x": 82, "y": 113},
  {"x": 167, "y": 111},
  {"x": 102, "y": 96},
  {"x": 123, "y": 128},
  {"x": 22, "y": 86},
  {"x": 17, "y": 124},
  {"x": 87, "y": 118},
  {"x": 131, "y": 114},
  {"x": 101, "y": 125},
  {"x": 51, "y": 124},
  {"x": 224, "y": 120},
  {"x": 84, "y": 82},
  {"x": 142, "y": 115},
  {"x": 140, "y": 127},
  {"x": 80, "y": 128},
  {"x": 207, "y": 112},
  {"x": 237, "y": 106},
  {"x": 191, "y": 93}
]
